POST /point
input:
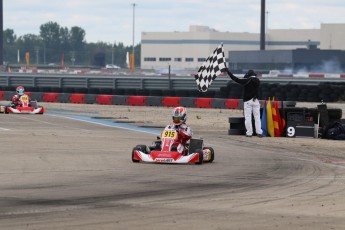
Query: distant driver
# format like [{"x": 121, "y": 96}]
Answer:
[{"x": 16, "y": 98}]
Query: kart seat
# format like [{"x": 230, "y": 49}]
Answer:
[{"x": 195, "y": 144}]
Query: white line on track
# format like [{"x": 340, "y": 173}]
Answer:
[
  {"x": 109, "y": 124},
  {"x": 38, "y": 120},
  {"x": 3, "y": 129}
]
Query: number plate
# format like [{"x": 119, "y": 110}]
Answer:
[
  {"x": 24, "y": 98},
  {"x": 169, "y": 134}
]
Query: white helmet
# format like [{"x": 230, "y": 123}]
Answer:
[
  {"x": 179, "y": 115},
  {"x": 20, "y": 90}
]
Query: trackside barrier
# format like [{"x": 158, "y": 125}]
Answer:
[
  {"x": 203, "y": 102},
  {"x": 136, "y": 100},
  {"x": 187, "y": 102},
  {"x": 50, "y": 97},
  {"x": 316, "y": 75},
  {"x": 120, "y": 100},
  {"x": 171, "y": 101},
  {"x": 8, "y": 95},
  {"x": 104, "y": 99},
  {"x": 90, "y": 98},
  {"x": 64, "y": 97},
  {"x": 77, "y": 98},
  {"x": 233, "y": 103},
  {"x": 154, "y": 101},
  {"x": 36, "y": 95},
  {"x": 190, "y": 102}
]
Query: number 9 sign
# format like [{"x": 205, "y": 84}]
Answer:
[{"x": 290, "y": 131}]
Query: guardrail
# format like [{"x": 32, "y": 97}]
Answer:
[{"x": 135, "y": 81}]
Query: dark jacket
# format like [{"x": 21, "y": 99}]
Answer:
[{"x": 250, "y": 85}]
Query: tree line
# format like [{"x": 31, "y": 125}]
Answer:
[{"x": 55, "y": 42}]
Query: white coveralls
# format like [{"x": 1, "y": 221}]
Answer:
[{"x": 252, "y": 107}]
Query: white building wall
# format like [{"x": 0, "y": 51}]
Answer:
[
  {"x": 200, "y": 41},
  {"x": 333, "y": 36}
]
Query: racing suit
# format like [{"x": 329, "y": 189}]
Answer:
[
  {"x": 184, "y": 133},
  {"x": 16, "y": 100}
]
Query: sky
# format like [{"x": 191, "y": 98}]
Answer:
[{"x": 111, "y": 21}]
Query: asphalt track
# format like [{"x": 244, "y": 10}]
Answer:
[{"x": 62, "y": 173}]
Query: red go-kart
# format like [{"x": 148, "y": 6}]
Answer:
[
  {"x": 25, "y": 106},
  {"x": 163, "y": 151}
]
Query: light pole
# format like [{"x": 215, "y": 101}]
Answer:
[
  {"x": 112, "y": 55},
  {"x": 262, "y": 27},
  {"x": 132, "y": 65},
  {"x": 1, "y": 33},
  {"x": 266, "y": 27}
]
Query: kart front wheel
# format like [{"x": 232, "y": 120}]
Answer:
[
  {"x": 133, "y": 159},
  {"x": 142, "y": 148},
  {"x": 211, "y": 154}
]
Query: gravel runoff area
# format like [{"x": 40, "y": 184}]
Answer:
[{"x": 214, "y": 122}]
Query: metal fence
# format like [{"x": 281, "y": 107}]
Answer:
[{"x": 135, "y": 81}]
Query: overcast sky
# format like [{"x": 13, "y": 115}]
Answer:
[{"x": 112, "y": 20}]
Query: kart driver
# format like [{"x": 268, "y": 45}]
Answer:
[
  {"x": 179, "y": 116},
  {"x": 16, "y": 98}
]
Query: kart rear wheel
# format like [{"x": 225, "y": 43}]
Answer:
[
  {"x": 211, "y": 159},
  {"x": 201, "y": 156}
]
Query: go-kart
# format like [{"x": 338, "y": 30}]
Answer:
[
  {"x": 163, "y": 151},
  {"x": 24, "y": 106}
]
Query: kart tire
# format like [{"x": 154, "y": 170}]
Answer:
[
  {"x": 212, "y": 154},
  {"x": 142, "y": 148},
  {"x": 134, "y": 160},
  {"x": 201, "y": 156}
]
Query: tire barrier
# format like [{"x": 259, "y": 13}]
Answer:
[
  {"x": 79, "y": 98},
  {"x": 322, "y": 91},
  {"x": 171, "y": 101},
  {"x": 237, "y": 126},
  {"x": 104, "y": 99},
  {"x": 191, "y": 102},
  {"x": 203, "y": 102},
  {"x": 120, "y": 100},
  {"x": 50, "y": 97},
  {"x": 137, "y": 100}
]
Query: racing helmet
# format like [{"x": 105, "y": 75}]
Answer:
[
  {"x": 179, "y": 115},
  {"x": 20, "y": 90}
]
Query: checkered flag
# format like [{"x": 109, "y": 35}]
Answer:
[{"x": 213, "y": 66}]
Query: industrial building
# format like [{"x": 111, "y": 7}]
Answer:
[{"x": 188, "y": 50}]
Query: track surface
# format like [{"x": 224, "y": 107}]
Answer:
[{"x": 58, "y": 173}]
